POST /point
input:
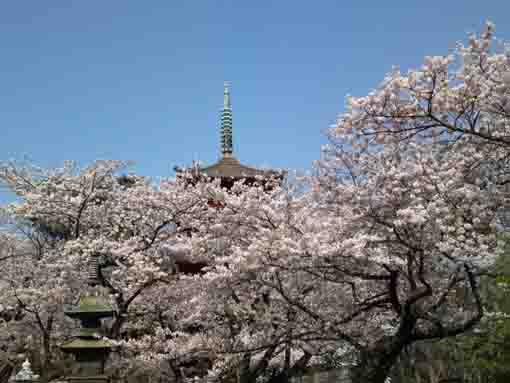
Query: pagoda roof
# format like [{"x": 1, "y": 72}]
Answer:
[
  {"x": 90, "y": 306},
  {"x": 81, "y": 343},
  {"x": 230, "y": 167}
]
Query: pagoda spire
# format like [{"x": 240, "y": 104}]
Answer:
[{"x": 226, "y": 123}]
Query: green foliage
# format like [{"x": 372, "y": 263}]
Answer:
[
  {"x": 479, "y": 356},
  {"x": 486, "y": 349}
]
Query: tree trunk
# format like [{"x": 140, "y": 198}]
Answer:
[
  {"x": 118, "y": 321},
  {"x": 6, "y": 370},
  {"x": 375, "y": 364},
  {"x": 46, "y": 357}
]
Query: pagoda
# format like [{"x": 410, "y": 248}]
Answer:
[
  {"x": 89, "y": 349},
  {"x": 228, "y": 168}
]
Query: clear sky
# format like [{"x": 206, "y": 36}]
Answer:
[{"x": 143, "y": 80}]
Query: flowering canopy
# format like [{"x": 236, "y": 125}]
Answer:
[{"x": 383, "y": 247}]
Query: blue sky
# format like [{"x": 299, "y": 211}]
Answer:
[{"x": 142, "y": 80}]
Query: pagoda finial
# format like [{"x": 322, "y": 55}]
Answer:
[
  {"x": 226, "y": 95},
  {"x": 226, "y": 123}
]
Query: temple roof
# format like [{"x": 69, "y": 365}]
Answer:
[
  {"x": 80, "y": 344},
  {"x": 230, "y": 167}
]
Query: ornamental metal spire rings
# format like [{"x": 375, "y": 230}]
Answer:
[{"x": 226, "y": 123}]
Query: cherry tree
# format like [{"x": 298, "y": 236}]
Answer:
[
  {"x": 388, "y": 246},
  {"x": 33, "y": 296},
  {"x": 383, "y": 247},
  {"x": 66, "y": 216},
  {"x": 225, "y": 319},
  {"x": 247, "y": 329},
  {"x": 419, "y": 168}
]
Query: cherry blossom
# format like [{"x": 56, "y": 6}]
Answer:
[{"x": 382, "y": 247}]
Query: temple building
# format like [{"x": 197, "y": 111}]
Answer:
[{"x": 228, "y": 168}]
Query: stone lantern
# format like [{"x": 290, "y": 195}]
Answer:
[
  {"x": 89, "y": 349},
  {"x": 25, "y": 375}
]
